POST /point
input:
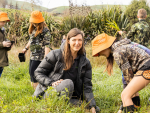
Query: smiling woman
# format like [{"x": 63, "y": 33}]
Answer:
[{"x": 67, "y": 68}]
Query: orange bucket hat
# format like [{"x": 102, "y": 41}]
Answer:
[
  {"x": 36, "y": 17},
  {"x": 3, "y": 16},
  {"x": 100, "y": 43}
]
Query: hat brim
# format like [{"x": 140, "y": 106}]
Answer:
[
  {"x": 36, "y": 20},
  {"x": 103, "y": 46},
  {"x": 4, "y": 19}
]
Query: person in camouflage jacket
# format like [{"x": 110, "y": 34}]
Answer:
[
  {"x": 140, "y": 34},
  {"x": 39, "y": 43},
  {"x": 140, "y": 31},
  {"x": 133, "y": 62}
]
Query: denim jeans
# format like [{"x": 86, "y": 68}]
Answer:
[{"x": 1, "y": 70}]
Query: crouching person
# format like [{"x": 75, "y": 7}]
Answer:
[
  {"x": 133, "y": 62},
  {"x": 68, "y": 68}
]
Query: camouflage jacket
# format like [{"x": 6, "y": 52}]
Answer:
[
  {"x": 38, "y": 43},
  {"x": 129, "y": 58},
  {"x": 139, "y": 33}
]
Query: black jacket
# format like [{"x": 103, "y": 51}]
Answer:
[{"x": 51, "y": 70}]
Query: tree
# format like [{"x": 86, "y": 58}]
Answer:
[
  {"x": 3, "y": 3},
  {"x": 35, "y": 2},
  {"x": 132, "y": 9},
  {"x": 11, "y": 6},
  {"x": 16, "y": 7}
]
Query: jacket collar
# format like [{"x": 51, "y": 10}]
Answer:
[
  {"x": 142, "y": 20},
  {"x": 120, "y": 43}
]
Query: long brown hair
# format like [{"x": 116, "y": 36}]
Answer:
[
  {"x": 68, "y": 58},
  {"x": 39, "y": 29},
  {"x": 109, "y": 67},
  {"x": 110, "y": 61}
]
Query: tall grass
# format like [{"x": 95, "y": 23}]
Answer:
[
  {"x": 92, "y": 23},
  {"x": 16, "y": 91}
]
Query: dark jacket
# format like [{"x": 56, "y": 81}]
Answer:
[
  {"x": 51, "y": 70},
  {"x": 3, "y": 50}
]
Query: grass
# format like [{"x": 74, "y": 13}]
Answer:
[{"x": 16, "y": 91}]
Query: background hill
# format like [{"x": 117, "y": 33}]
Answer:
[
  {"x": 62, "y": 9},
  {"x": 24, "y": 5},
  {"x": 28, "y": 6}
]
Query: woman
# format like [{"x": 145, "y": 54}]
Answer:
[
  {"x": 39, "y": 43},
  {"x": 68, "y": 68},
  {"x": 133, "y": 62}
]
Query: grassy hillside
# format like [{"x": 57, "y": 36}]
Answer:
[
  {"x": 16, "y": 91},
  {"x": 26, "y": 5},
  {"x": 97, "y": 7},
  {"x": 62, "y": 9}
]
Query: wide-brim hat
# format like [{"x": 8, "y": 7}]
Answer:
[
  {"x": 36, "y": 17},
  {"x": 4, "y": 17},
  {"x": 100, "y": 43}
]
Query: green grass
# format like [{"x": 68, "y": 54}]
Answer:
[{"x": 16, "y": 91}]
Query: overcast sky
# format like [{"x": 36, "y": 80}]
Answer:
[{"x": 56, "y": 3}]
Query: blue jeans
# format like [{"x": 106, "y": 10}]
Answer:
[{"x": 1, "y": 70}]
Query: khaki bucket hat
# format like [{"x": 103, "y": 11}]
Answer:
[
  {"x": 3, "y": 16},
  {"x": 36, "y": 17},
  {"x": 101, "y": 42}
]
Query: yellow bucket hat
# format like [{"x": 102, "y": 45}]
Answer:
[
  {"x": 3, "y": 16},
  {"x": 36, "y": 17},
  {"x": 100, "y": 43}
]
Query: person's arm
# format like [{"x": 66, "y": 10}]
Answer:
[
  {"x": 26, "y": 47},
  {"x": 43, "y": 70},
  {"x": 47, "y": 49},
  {"x": 47, "y": 38},
  {"x": 87, "y": 84},
  {"x": 130, "y": 34},
  {"x": 5, "y": 44},
  {"x": 124, "y": 65}
]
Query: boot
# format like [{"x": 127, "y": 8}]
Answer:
[
  {"x": 129, "y": 109},
  {"x": 136, "y": 101},
  {"x": 120, "y": 109}
]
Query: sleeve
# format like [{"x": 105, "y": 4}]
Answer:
[
  {"x": 45, "y": 68},
  {"x": 6, "y": 48},
  {"x": 124, "y": 65},
  {"x": 87, "y": 84},
  {"x": 47, "y": 38},
  {"x": 1, "y": 44},
  {"x": 130, "y": 34},
  {"x": 147, "y": 37}
]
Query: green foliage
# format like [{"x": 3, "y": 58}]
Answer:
[
  {"x": 97, "y": 22},
  {"x": 54, "y": 28},
  {"x": 92, "y": 24},
  {"x": 132, "y": 9}
]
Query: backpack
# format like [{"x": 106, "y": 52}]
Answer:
[{"x": 142, "y": 47}]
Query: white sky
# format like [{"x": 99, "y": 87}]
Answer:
[{"x": 56, "y": 3}]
